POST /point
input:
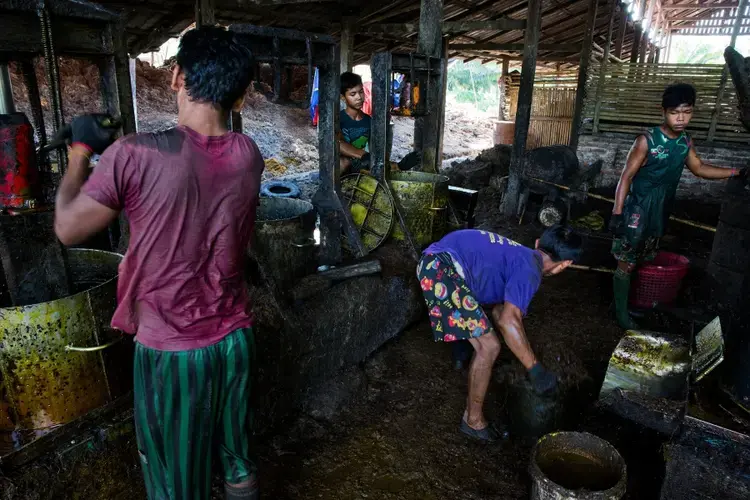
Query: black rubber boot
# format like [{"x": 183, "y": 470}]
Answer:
[{"x": 621, "y": 288}]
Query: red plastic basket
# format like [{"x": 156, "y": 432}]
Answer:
[{"x": 658, "y": 281}]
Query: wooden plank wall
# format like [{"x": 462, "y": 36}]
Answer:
[
  {"x": 552, "y": 108},
  {"x": 631, "y": 100}
]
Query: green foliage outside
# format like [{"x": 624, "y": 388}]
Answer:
[
  {"x": 697, "y": 53},
  {"x": 474, "y": 83}
]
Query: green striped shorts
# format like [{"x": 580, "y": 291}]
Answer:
[{"x": 189, "y": 404}]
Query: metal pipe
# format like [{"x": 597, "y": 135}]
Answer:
[
  {"x": 6, "y": 91},
  {"x": 610, "y": 200}
]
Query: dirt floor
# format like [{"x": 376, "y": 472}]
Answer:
[{"x": 399, "y": 439}]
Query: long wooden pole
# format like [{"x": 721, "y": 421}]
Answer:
[
  {"x": 622, "y": 28},
  {"x": 611, "y": 200},
  {"x": 605, "y": 60},
  {"x": 430, "y": 43},
  {"x": 583, "y": 73},
  {"x": 523, "y": 106}
]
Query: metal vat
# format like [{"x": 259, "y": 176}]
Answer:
[
  {"x": 576, "y": 466},
  {"x": 423, "y": 200},
  {"x": 284, "y": 245},
  {"x": 61, "y": 359}
]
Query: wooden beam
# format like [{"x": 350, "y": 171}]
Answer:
[
  {"x": 643, "y": 48},
  {"x": 502, "y": 24},
  {"x": 503, "y": 89},
  {"x": 700, "y": 16},
  {"x": 622, "y": 27},
  {"x": 605, "y": 61},
  {"x": 722, "y": 6},
  {"x": 269, "y": 3},
  {"x": 583, "y": 73},
  {"x": 552, "y": 47},
  {"x": 347, "y": 44},
  {"x": 694, "y": 24},
  {"x": 725, "y": 72},
  {"x": 205, "y": 13},
  {"x": 449, "y": 27},
  {"x": 523, "y": 106},
  {"x": 427, "y": 128}
]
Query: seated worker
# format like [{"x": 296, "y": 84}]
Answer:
[
  {"x": 354, "y": 133},
  {"x": 647, "y": 188},
  {"x": 470, "y": 268}
]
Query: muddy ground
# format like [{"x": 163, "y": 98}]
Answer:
[{"x": 399, "y": 440}]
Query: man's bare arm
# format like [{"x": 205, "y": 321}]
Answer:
[
  {"x": 636, "y": 159},
  {"x": 706, "y": 171},
  {"x": 78, "y": 216},
  {"x": 509, "y": 320}
]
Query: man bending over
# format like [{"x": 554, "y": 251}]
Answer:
[{"x": 470, "y": 268}]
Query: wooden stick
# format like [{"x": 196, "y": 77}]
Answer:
[
  {"x": 592, "y": 268},
  {"x": 610, "y": 200}
]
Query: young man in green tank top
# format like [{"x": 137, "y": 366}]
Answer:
[{"x": 647, "y": 189}]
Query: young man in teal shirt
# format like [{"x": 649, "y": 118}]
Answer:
[{"x": 647, "y": 189}]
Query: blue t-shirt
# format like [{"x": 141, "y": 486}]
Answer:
[
  {"x": 355, "y": 132},
  {"x": 495, "y": 268}
]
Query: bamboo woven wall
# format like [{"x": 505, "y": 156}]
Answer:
[
  {"x": 630, "y": 99},
  {"x": 551, "y": 108}
]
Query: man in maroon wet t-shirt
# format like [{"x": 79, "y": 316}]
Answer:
[{"x": 190, "y": 195}]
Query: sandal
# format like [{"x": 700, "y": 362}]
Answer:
[{"x": 488, "y": 434}]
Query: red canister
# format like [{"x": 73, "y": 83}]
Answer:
[{"x": 18, "y": 168}]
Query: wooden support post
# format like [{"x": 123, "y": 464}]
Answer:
[
  {"x": 328, "y": 158},
  {"x": 287, "y": 90},
  {"x": 205, "y": 13},
  {"x": 621, "y": 29},
  {"x": 725, "y": 73},
  {"x": 605, "y": 61},
  {"x": 443, "y": 93},
  {"x": 35, "y": 100},
  {"x": 347, "y": 44},
  {"x": 635, "y": 47},
  {"x": 277, "y": 68},
  {"x": 669, "y": 43},
  {"x": 643, "y": 49},
  {"x": 116, "y": 83},
  {"x": 132, "y": 71},
  {"x": 523, "y": 106},
  {"x": 583, "y": 72},
  {"x": 639, "y": 35},
  {"x": 503, "y": 87},
  {"x": 427, "y": 128},
  {"x": 381, "y": 105}
]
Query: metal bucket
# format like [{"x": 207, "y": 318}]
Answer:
[
  {"x": 284, "y": 243},
  {"x": 61, "y": 359},
  {"x": 423, "y": 200},
  {"x": 576, "y": 466}
]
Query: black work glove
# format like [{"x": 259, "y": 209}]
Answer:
[
  {"x": 96, "y": 131},
  {"x": 616, "y": 221},
  {"x": 543, "y": 381},
  {"x": 364, "y": 162}
]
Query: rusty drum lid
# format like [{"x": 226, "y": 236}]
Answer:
[{"x": 371, "y": 206}]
